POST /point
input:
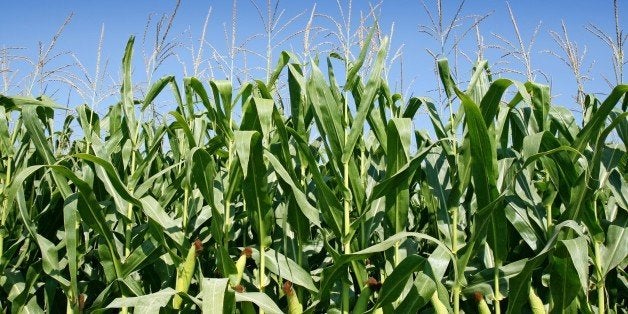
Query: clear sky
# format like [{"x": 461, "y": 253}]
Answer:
[{"x": 27, "y": 22}]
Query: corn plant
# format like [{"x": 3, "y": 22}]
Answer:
[{"x": 344, "y": 205}]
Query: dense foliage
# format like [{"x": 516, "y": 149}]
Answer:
[{"x": 508, "y": 203}]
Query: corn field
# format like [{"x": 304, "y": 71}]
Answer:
[{"x": 331, "y": 200}]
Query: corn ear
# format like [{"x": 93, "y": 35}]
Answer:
[
  {"x": 482, "y": 305},
  {"x": 371, "y": 286},
  {"x": 294, "y": 305},
  {"x": 439, "y": 307},
  {"x": 536, "y": 303},
  {"x": 185, "y": 273},
  {"x": 241, "y": 264}
]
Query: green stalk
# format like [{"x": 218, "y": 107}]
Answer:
[
  {"x": 4, "y": 211},
  {"x": 129, "y": 215},
  {"x": 129, "y": 226},
  {"x": 262, "y": 254},
  {"x": 347, "y": 229},
  {"x": 363, "y": 174},
  {"x": 228, "y": 200},
  {"x": 456, "y": 294},
  {"x": 68, "y": 307},
  {"x": 347, "y": 212},
  {"x": 346, "y": 207},
  {"x": 496, "y": 294},
  {"x": 454, "y": 214},
  {"x": 601, "y": 293},
  {"x": 186, "y": 195},
  {"x": 2, "y": 235},
  {"x": 454, "y": 232},
  {"x": 5, "y": 207},
  {"x": 601, "y": 298},
  {"x": 345, "y": 183},
  {"x": 454, "y": 250},
  {"x": 549, "y": 216}
]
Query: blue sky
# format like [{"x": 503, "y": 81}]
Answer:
[{"x": 27, "y": 22}]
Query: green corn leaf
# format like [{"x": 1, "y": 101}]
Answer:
[
  {"x": 19, "y": 102},
  {"x": 580, "y": 206},
  {"x": 287, "y": 269},
  {"x": 385, "y": 186},
  {"x": 182, "y": 124},
  {"x": 540, "y": 104},
  {"x": 149, "y": 303},
  {"x": 483, "y": 167},
  {"x": 145, "y": 254},
  {"x": 615, "y": 250},
  {"x": 578, "y": 255},
  {"x": 158, "y": 86},
  {"x": 70, "y": 222},
  {"x": 35, "y": 129},
  {"x": 5, "y": 144},
  {"x": 128, "y": 104},
  {"x": 376, "y": 117},
  {"x": 262, "y": 300},
  {"x": 21, "y": 302},
  {"x": 255, "y": 184},
  {"x": 90, "y": 212},
  {"x": 564, "y": 283},
  {"x": 357, "y": 64},
  {"x": 203, "y": 173},
  {"x": 306, "y": 208},
  {"x": 326, "y": 111},
  {"x": 49, "y": 254},
  {"x": 223, "y": 92},
  {"x": 284, "y": 58},
  {"x": 490, "y": 102},
  {"x": 216, "y": 117},
  {"x": 520, "y": 283},
  {"x": 366, "y": 103},
  {"x": 483, "y": 281},
  {"x": 419, "y": 295},
  {"x": 588, "y": 132},
  {"x": 397, "y": 200},
  {"x": 214, "y": 294},
  {"x": 332, "y": 274},
  {"x": 330, "y": 207},
  {"x": 516, "y": 213},
  {"x": 298, "y": 103},
  {"x": 265, "y": 109},
  {"x": 153, "y": 210},
  {"x": 445, "y": 75},
  {"x": 111, "y": 179},
  {"x": 395, "y": 282}
]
